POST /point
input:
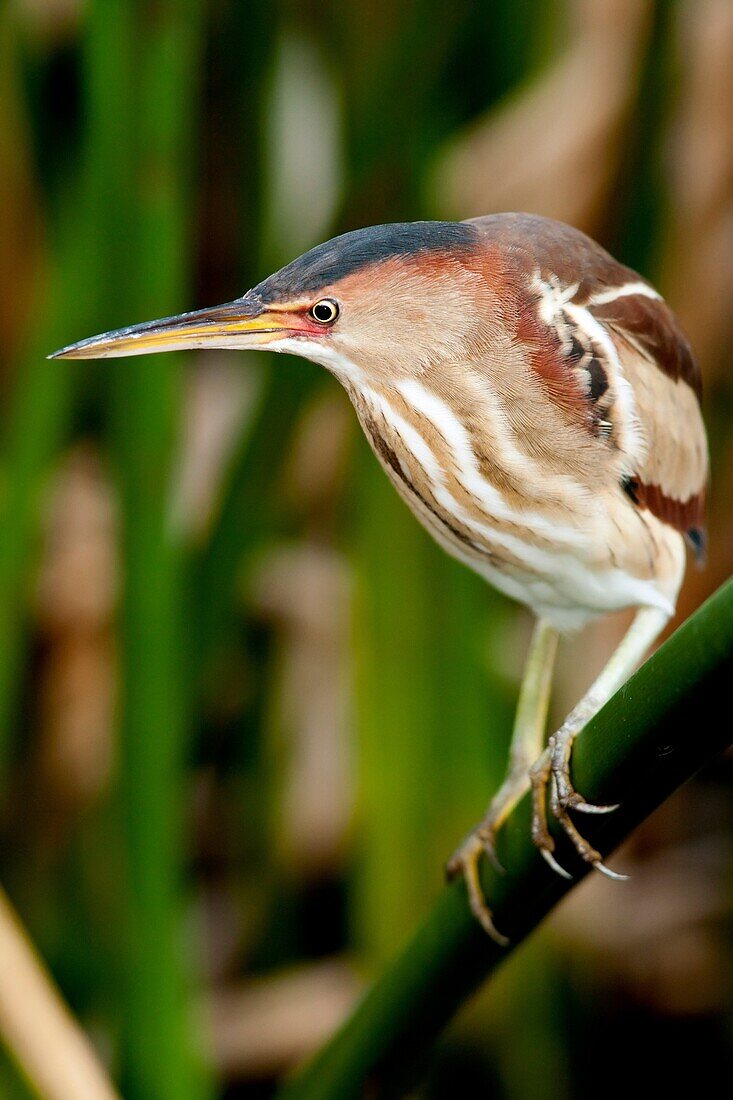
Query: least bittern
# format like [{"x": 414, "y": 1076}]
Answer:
[{"x": 536, "y": 405}]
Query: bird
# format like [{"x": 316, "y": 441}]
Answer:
[{"x": 537, "y": 406}]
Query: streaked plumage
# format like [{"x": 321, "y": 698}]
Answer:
[{"x": 531, "y": 399}]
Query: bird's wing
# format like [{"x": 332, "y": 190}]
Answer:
[
  {"x": 610, "y": 353},
  {"x": 615, "y": 357},
  {"x": 671, "y": 472}
]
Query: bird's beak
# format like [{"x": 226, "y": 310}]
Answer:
[{"x": 244, "y": 323}]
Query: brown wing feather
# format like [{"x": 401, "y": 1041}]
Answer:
[
  {"x": 649, "y": 326},
  {"x": 534, "y": 260},
  {"x": 671, "y": 481}
]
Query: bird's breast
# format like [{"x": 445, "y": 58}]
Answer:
[{"x": 531, "y": 527}]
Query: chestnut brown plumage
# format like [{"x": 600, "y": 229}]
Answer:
[{"x": 536, "y": 405}]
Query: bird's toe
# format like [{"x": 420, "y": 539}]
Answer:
[
  {"x": 466, "y": 861},
  {"x": 550, "y": 860}
]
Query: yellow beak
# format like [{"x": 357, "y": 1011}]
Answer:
[{"x": 240, "y": 324}]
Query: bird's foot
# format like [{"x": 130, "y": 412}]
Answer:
[
  {"x": 551, "y": 784},
  {"x": 567, "y": 797},
  {"x": 466, "y": 861}
]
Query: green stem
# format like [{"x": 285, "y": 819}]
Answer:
[
  {"x": 159, "y": 44},
  {"x": 245, "y": 514},
  {"x": 645, "y": 743}
]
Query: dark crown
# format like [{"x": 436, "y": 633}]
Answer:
[{"x": 328, "y": 262}]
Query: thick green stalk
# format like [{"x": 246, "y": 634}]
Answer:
[
  {"x": 426, "y": 711},
  {"x": 39, "y": 406},
  {"x": 159, "y": 1057},
  {"x": 240, "y": 59},
  {"x": 245, "y": 513},
  {"x": 393, "y": 639},
  {"x": 644, "y": 744}
]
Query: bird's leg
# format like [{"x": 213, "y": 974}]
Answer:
[
  {"x": 526, "y": 743},
  {"x": 553, "y": 767},
  {"x": 528, "y": 733}
]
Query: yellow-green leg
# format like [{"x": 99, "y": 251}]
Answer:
[
  {"x": 552, "y": 769},
  {"x": 526, "y": 746}
]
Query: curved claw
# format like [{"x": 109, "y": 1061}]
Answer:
[
  {"x": 466, "y": 862},
  {"x": 482, "y": 915},
  {"x": 552, "y": 862},
  {"x": 592, "y": 808},
  {"x": 615, "y": 875}
]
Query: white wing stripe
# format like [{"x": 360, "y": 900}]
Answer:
[
  {"x": 626, "y": 291},
  {"x": 635, "y": 446}
]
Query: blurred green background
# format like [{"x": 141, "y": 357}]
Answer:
[{"x": 246, "y": 707}]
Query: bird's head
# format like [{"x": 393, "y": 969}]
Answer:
[{"x": 373, "y": 303}]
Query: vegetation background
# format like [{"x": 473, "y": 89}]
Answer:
[{"x": 246, "y": 707}]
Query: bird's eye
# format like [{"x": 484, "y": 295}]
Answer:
[{"x": 325, "y": 312}]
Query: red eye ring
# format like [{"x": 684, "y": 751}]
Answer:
[{"x": 324, "y": 312}]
